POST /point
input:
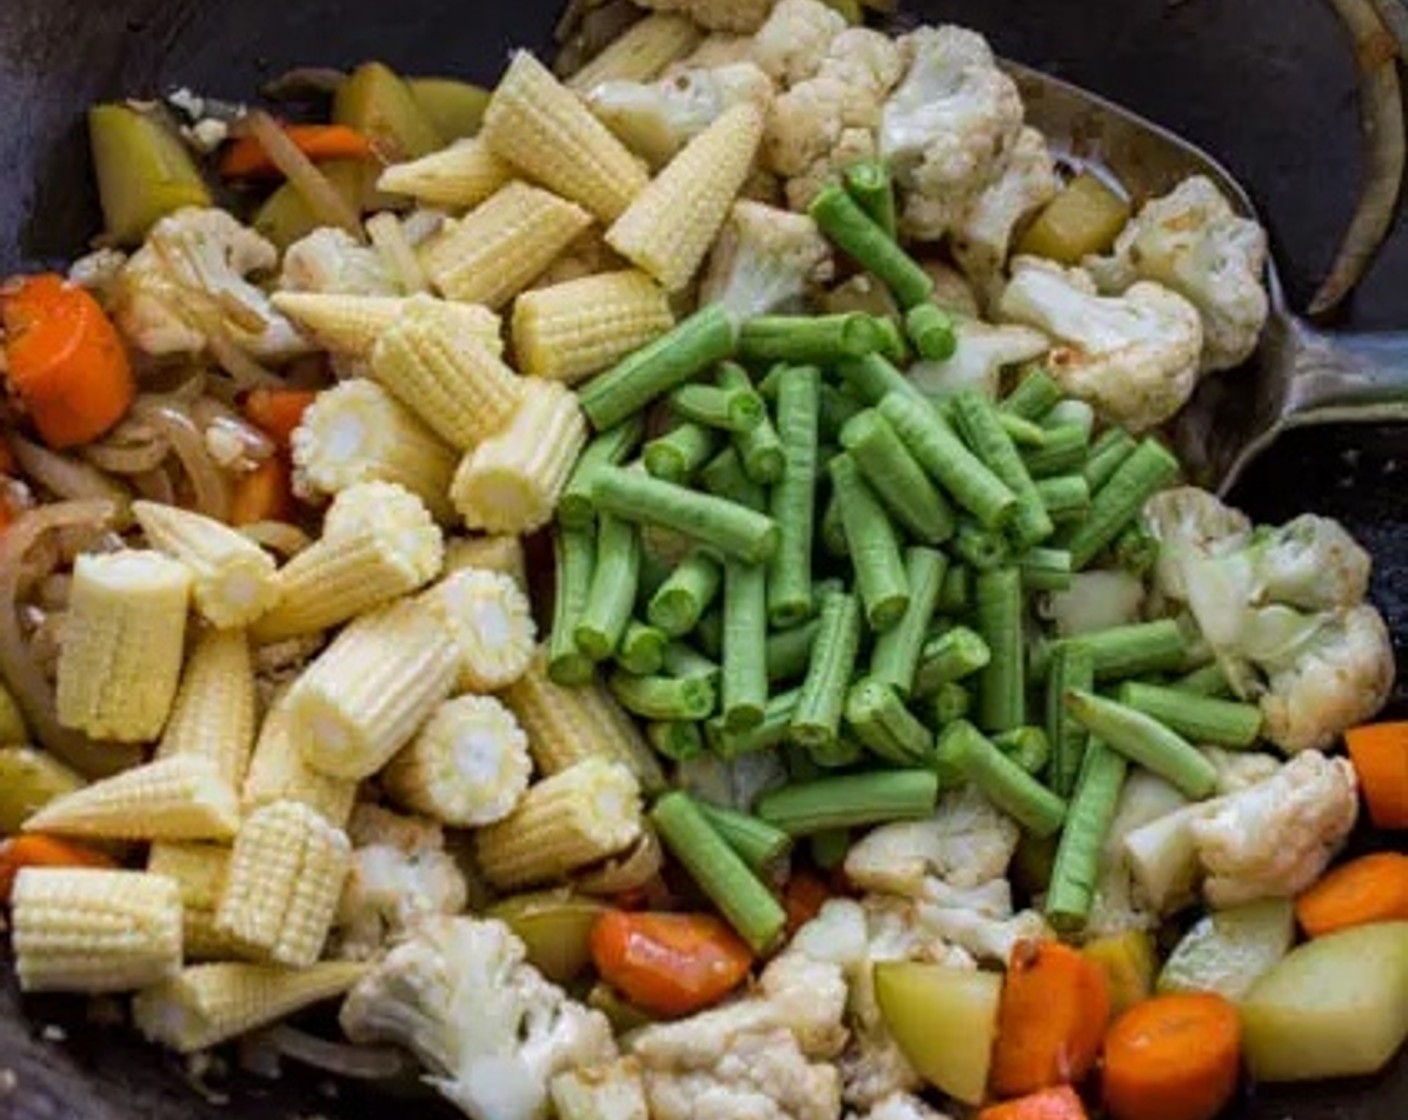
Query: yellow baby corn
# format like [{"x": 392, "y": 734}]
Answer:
[
  {"x": 566, "y": 726},
  {"x": 501, "y": 553},
  {"x": 283, "y": 882},
  {"x": 641, "y": 53},
  {"x": 468, "y": 766},
  {"x": 489, "y": 618},
  {"x": 31, "y": 778},
  {"x": 570, "y": 331},
  {"x": 668, "y": 229},
  {"x": 457, "y": 385},
  {"x": 358, "y": 432},
  {"x": 379, "y": 542},
  {"x": 547, "y": 131},
  {"x": 198, "y": 870},
  {"x": 456, "y": 178},
  {"x": 86, "y": 930},
  {"x": 510, "y": 483},
  {"x": 234, "y": 577},
  {"x": 214, "y": 713},
  {"x": 123, "y": 641},
  {"x": 370, "y": 691},
  {"x": 495, "y": 251},
  {"x": 184, "y": 797},
  {"x": 207, "y": 1004},
  {"x": 352, "y": 324},
  {"x": 278, "y": 772},
  {"x": 575, "y": 818}
]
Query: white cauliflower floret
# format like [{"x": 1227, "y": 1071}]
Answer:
[
  {"x": 1122, "y": 902},
  {"x": 790, "y": 46},
  {"x": 983, "y": 351},
  {"x": 99, "y": 272},
  {"x": 1134, "y": 357},
  {"x": 1191, "y": 240},
  {"x": 1190, "y": 523},
  {"x": 764, "y": 260},
  {"x": 718, "y": 15},
  {"x": 733, "y": 783},
  {"x": 1275, "y": 838},
  {"x": 1239, "y": 770},
  {"x": 657, "y": 119},
  {"x": 1095, "y": 600},
  {"x": 187, "y": 287},
  {"x": 332, "y": 262},
  {"x": 947, "y": 130},
  {"x": 979, "y": 920},
  {"x": 900, "y": 1106},
  {"x": 488, "y": 1027},
  {"x": 982, "y": 239}
]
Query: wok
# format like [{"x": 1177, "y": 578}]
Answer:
[{"x": 1268, "y": 88}]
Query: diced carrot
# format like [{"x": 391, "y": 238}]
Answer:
[
  {"x": 1372, "y": 888},
  {"x": 803, "y": 899},
  {"x": 1379, "y": 752},
  {"x": 265, "y": 494},
  {"x": 1059, "y": 1103},
  {"x": 669, "y": 964},
  {"x": 1055, "y": 1007},
  {"x": 246, "y": 158},
  {"x": 37, "y": 850},
  {"x": 1173, "y": 1057},
  {"x": 65, "y": 359},
  {"x": 277, "y": 412}
]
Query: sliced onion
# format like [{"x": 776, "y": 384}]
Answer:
[
  {"x": 627, "y": 872},
  {"x": 67, "y": 478},
  {"x": 243, "y": 370},
  {"x": 156, "y": 486},
  {"x": 327, "y": 206},
  {"x": 208, "y": 483},
  {"x": 277, "y": 536},
  {"x": 364, "y": 1063}
]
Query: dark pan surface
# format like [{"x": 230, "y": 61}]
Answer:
[{"x": 1267, "y": 87}]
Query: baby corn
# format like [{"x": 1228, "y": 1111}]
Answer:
[
  {"x": 641, "y": 53},
  {"x": 502, "y": 553},
  {"x": 198, "y": 870},
  {"x": 351, "y": 325},
  {"x": 488, "y": 617},
  {"x": 214, "y": 713},
  {"x": 277, "y": 772},
  {"x": 456, "y": 178}
]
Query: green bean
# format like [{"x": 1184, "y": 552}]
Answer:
[
  {"x": 962, "y": 749},
  {"x": 869, "y": 183},
  {"x": 1119, "y": 501},
  {"x": 957, "y": 593},
  {"x": 612, "y": 448},
  {"x": 981, "y": 549},
  {"x": 1028, "y": 747},
  {"x": 1210, "y": 680},
  {"x": 723, "y": 476},
  {"x": 686, "y": 594},
  {"x": 611, "y": 596},
  {"x": 1136, "y": 550},
  {"x": 1145, "y": 740},
  {"x": 681, "y": 699},
  {"x": 836, "y": 408},
  {"x": 1045, "y": 569},
  {"x": 872, "y": 378},
  {"x": 1072, "y": 667},
  {"x": 895, "y": 658},
  {"x": 761, "y": 846},
  {"x": 1034, "y": 396},
  {"x": 829, "y": 849},
  {"x": 1136, "y": 649},
  {"x": 1203, "y": 719},
  {"x": 730, "y": 410},
  {"x": 575, "y": 558},
  {"x": 817, "y": 721},
  {"x": 732, "y": 529},
  {"x": 792, "y": 502},
  {"x": 1064, "y": 452},
  {"x": 1070, "y": 413},
  {"x": 641, "y": 650},
  {"x": 850, "y": 801},
  {"x": 879, "y": 719},
  {"x": 655, "y": 569},
  {"x": 760, "y": 448},
  {"x": 1107, "y": 455},
  {"x": 710, "y": 632},
  {"x": 680, "y": 452},
  {"x": 1065, "y": 496},
  {"x": 930, "y": 328},
  {"x": 677, "y": 741},
  {"x": 772, "y": 732},
  {"x": 833, "y": 530},
  {"x": 1078, "y": 856},
  {"x": 954, "y": 655},
  {"x": 982, "y": 429},
  {"x": 703, "y": 340},
  {"x": 682, "y": 660},
  {"x": 867, "y": 243},
  {"x": 1022, "y": 433},
  {"x": 810, "y": 339},
  {"x": 744, "y": 679},
  {"x": 789, "y": 652},
  {"x": 949, "y": 702},
  {"x": 897, "y": 479},
  {"x": 873, "y": 545},
  {"x": 1001, "y": 686}
]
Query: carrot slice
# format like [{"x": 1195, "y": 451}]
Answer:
[
  {"x": 247, "y": 159},
  {"x": 37, "y": 850},
  {"x": 65, "y": 359},
  {"x": 277, "y": 412},
  {"x": 669, "y": 964},
  {"x": 265, "y": 494},
  {"x": 1055, "y": 1007},
  {"x": 1060, "y": 1103},
  {"x": 803, "y": 899},
  {"x": 1379, "y": 752},
  {"x": 1372, "y": 888},
  {"x": 1174, "y": 1057}
]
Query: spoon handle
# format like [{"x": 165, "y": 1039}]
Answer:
[{"x": 1348, "y": 378}]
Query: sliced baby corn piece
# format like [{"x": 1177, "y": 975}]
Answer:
[
  {"x": 570, "y": 331},
  {"x": 495, "y": 251},
  {"x": 547, "y": 131},
  {"x": 207, "y": 1004},
  {"x": 198, "y": 870},
  {"x": 641, "y": 52},
  {"x": 501, "y": 552},
  {"x": 585, "y": 814},
  {"x": 88, "y": 930},
  {"x": 448, "y": 377},
  {"x": 566, "y": 726},
  {"x": 234, "y": 577},
  {"x": 283, "y": 882},
  {"x": 669, "y": 228},
  {"x": 358, "y": 432},
  {"x": 352, "y": 324},
  {"x": 120, "y": 659},
  {"x": 277, "y": 772},
  {"x": 184, "y": 797},
  {"x": 370, "y": 691},
  {"x": 379, "y": 542},
  {"x": 510, "y": 483},
  {"x": 489, "y": 618},
  {"x": 458, "y": 177},
  {"x": 468, "y": 766},
  {"x": 214, "y": 713}
]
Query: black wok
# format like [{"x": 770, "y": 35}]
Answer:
[{"x": 1267, "y": 87}]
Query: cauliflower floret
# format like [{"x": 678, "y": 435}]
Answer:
[
  {"x": 764, "y": 260},
  {"x": 983, "y": 351},
  {"x": 330, "y": 261},
  {"x": 1239, "y": 770},
  {"x": 1275, "y": 838},
  {"x": 492, "y": 1032},
  {"x": 952, "y": 290},
  {"x": 1189, "y": 523},
  {"x": 1095, "y": 600},
  {"x": 982, "y": 238},
  {"x": 718, "y": 15},
  {"x": 947, "y": 130},
  {"x": 1134, "y": 357},
  {"x": 1310, "y": 562},
  {"x": 1192, "y": 241},
  {"x": 187, "y": 287},
  {"x": 1122, "y": 901},
  {"x": 657, "y": 119},
  {"x": 790, "y": 46},
  {"x": 979, "y": 920},
  {"x": 900, "y": 1106},
  {"x": 99, "y": 272},
  {"x": 400, "y": 874},
  {"x": 734, "y": 783}
]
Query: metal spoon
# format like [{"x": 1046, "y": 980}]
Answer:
[{"x": 1298, "y": 376}]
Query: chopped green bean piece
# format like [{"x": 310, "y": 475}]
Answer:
[
  {"x": 1078, "y": 856},
  {"x": 761, "y": 846},
  {"x": 1063, "y": 452},
  {"x": 1070, "y": 413},
  {"x": 954, "y": 655},
  {"x": 817, "y": 721},
  {"x": 681, "y": 699},
  {"x": 723, "y": 476},
  {"x": 1203, "y": 719},
  {"x": 1034, "y": 396},
  {"x": 686, "y": 594},
  {"x": 772, "y": 732},
  {"x": 1145, "y": 740},
  {"x": 981, "y": 549},
  {"x": 610, "y": 449},
  {"x": 962, "y": 749},
  {"x": 1136, "y": 649},
  {"x": 1045, "y": 569},
  {"x": 1065, "y": 496},
  {"x": 1028, "y": 747},
  {"x": 683, "y": 660},
  {"x": 1022, "y": 433},
  {"x": 867, "y": 243},
  {"x": 879, "y": 719},
  {"x": 873, "y": 545},
  {"x": 820, "y": 340},
  {"x": 873, "y": 377},
  {"x": 729, "y": 410},
  {"x": 833, "y": 530},
  {"x": 895, "y": 658},
  {"x": 1119, "y": 501},
  {"x": 679, "y": 742},
  {"x": 680, "y": 452},
  {"x": 1107, "y": 455},
  {"x": 575, "y": 555},
  {"x": 836, "y": 408},
  {"x": 897, "y": 478},
  {"x": 641, "y": 650},
  {"x": 1210, "y": 680},
  {"x": 1002, "y": 685},
  {"x": 869, "y": 183},
  {"x": 792, "y": 502},
  {"x": 949, "y": 702},
  {"x": 850, "y": 801},
  {"x": 744, "y": 679},
  {"x": 829, "y": 849},
  {"x": 981, "y": 425},
  {"x": 1136, "y": 550},
  {"x": 957, "y": 593},
  {"x": 789, "y": 652},
  {"x": 1072, "y": 667},
  {"x": 611, "y": 596},
  {"x": 930, "y": 328}
]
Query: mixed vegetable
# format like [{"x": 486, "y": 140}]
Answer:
[{"x": 887, "y": 729}]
